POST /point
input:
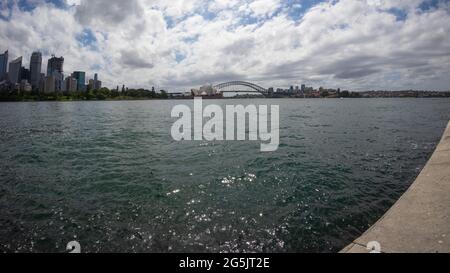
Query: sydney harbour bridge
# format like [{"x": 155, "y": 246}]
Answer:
[{"x": 241, "y": 87}]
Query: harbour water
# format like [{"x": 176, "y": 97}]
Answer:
[{"x": 109, "y": 175}]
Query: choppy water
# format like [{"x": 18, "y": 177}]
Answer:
[{"x": 109, "y": 175}]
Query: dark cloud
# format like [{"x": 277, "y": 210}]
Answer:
[
  {"x": 132, "y": 59},
  {"x": 355, "y": 73},
  {"x": 109, "y": 12}
]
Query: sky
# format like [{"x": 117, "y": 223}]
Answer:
[{"x": 181, "y": 44}]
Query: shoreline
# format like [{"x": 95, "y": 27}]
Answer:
[
  {"x": 242, "y": 98},
  {"x": 419, "y": 222}
]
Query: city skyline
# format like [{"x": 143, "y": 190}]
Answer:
[
  {"x": 356, "y": 45},
  {"x": 16, "y": 77}
]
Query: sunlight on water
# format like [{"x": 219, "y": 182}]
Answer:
[{"x": 108, "y": 175}]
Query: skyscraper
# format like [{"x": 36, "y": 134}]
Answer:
[
  {"x": 24, "y": 74},
  {"x": 81, "y": 80},
  {"x": 55, "y": 65},
  {"x": 15, "y": 69},
  {"x": 55, "y": 68},
  {"x": 71, "y": 84},
  {"x": 35, "y": 69},
  {"x": 3, "y": 65},
  {"x": 96, "y": 85},
  {"x": 49, "y": 86}
]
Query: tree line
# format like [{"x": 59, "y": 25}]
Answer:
[{"x": 100, "y": 94}]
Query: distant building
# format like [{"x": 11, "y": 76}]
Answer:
[
  {"x": 25, "y": 86},
  {"x": 71, "y": 84},
  {"x": 15, "y": 69},
  {"x": 55, "y": 65},
  {"x": 205, "y": 91},
  {"x": 55, "y": 68},
  {"x": 24, "y": 75},
  {"x": 35, "y": 69},
  {"x": 42, "y": 83},
  {"x": 91, "y": 85},
  {"x": 3, "y": 65},
  {"x": 49, "y": 86},
  {"x": 97, "y": 83},
  {"x": 81, "y": 80},
  {"x": 94, "y": 85},
  {"x": 303, "y": 88}
]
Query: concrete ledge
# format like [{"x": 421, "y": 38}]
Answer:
[{"x": 420, "y": 220}]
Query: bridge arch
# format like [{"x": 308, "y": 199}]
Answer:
[{"x": 250, "y": 85}]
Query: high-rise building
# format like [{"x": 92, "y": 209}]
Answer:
[
  {"x": 71, "y": 84},
  {"x": 35, "y": 69},
  {"x": 55, "y": 65},
  {"x": 55, "y": 68},
  {"x": 98, "y": 85},
  {"x": 15, "y": 68},
  {"x": 42, "y": 83},
  {"x": 81, "y": 80},
  {"x": 91, "y": 85},
  {"x": 24, "y": 74},
  {"x": 95, "y": 84},
  {"x": 49, "y": 86},
  {"x": 3, "y": 65}
]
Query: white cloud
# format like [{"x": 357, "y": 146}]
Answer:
[
  {"x": 182, "y": 44},
  {"x": 264, "y": 7}
]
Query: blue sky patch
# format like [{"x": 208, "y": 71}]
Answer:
[
  {"x": 296, "y": 9},
  {"x": 87, "y": 39},
  {"x": 399, "y": 14},
  {"x": 179, "y": 57},
  {"x": 428, "y": 5}
]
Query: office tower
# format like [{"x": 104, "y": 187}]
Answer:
[
  {"x": 3, "y": 65},
  {"x": 81, "y": 80},
  {"x": 98, "y": 85},
  {"x": 42, "y": 83},
  {"x": 35, "y": 69},
  {"x": 24, "y": 75},
  {"x": 91, "y": 85},
  {"x": 55, "y": 65},
  {"x": 55, "y": 68},
  {"x": 71, "y": 84},
  {"x": 49, "y": 86},
  {"x": 303, "y": 88},
  {"x": 15, "y": 68}
]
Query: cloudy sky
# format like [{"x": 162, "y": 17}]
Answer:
[{"x": 176, "y": 44}]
